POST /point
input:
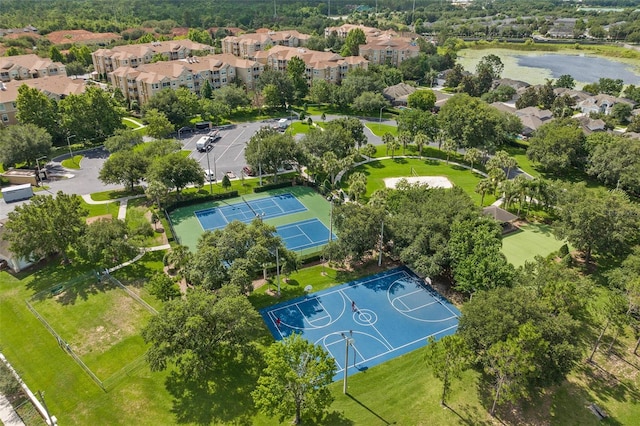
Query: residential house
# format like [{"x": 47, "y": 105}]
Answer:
[
  {"x": 23, "y": 67},
  {"x": 601, "y": 104},
  {"x": 134, "y": 55},
  {"x": 590, "y": 125},
  {"x": 532, "y": 118},
  {"x": 398, "y": 94},
  {"x": 56, "y": 87},
  {"x": 327, "y": 66},
  {"x": 247, "y": 45},
  {"x": 562, "y": 28}
]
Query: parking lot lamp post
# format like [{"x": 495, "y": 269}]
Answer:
[
  {"x": 38, "y": 165},
  {"x": 348, "y": 340},
  {"x": 209, "y": 174},
  {"x": 69, "y": 145}
]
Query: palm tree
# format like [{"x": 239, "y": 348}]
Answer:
[
  {"x": 482, "y": 188},
  {"x": 449, "y": 146},
  {"x": 510, "y": 163},
  {"x": 521, "y": 184},
  {"x": 178, "y": 258},
  {"x": 404, "y": 138},
  {"x": 357, "y": 185},
  {"x": 495, "y": 177},
  {"x": 387, "y": 138},
  {"x": 421, "y": 140},
  {"x": 509, "y": 192},
  {"x": 472, "y": 155}
]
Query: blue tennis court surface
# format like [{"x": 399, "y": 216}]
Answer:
[
  {"x": 304, "y": 234},
  {"x": 246, "y": 211},
  {"x": 395, "y": 313}
]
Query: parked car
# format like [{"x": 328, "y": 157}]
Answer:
[
  {"x": 209, "y": 176},
  {"x": 248, "y": 171}
]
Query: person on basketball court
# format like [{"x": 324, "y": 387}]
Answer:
[
  {"x": 353, "y": 306},
  {"x": 278, "y": 322}
]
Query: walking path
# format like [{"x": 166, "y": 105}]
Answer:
[
  {"x": 122, "y": 211},
  {"x": 8, "y": 415}
]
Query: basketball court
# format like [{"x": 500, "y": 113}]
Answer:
[{"x": 381, "y": 317}]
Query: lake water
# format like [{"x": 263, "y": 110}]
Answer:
[{"x": 536, "y": 67}]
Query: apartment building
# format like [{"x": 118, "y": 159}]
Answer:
[
  {"x": 343, "y": 30},
  {"x": 24, "y": 67},
  {"x": 56, "y": 87},
  {"x": 134, "y": 55},
  {"x": 141, "y": 83},
  {"x": 387, "y": 50},
  {"x": 327, "y": 66},
  {"x": 247, "y": 45}
]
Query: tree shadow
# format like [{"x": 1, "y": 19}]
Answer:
[
  {"x": 221, "y": 395},
  {"x": 607, "y": 385},
  {"x": 386, "y": 422}
]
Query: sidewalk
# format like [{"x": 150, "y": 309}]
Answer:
[{"x": 8, "y": 416}]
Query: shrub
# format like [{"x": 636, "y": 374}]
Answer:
[{"x": 563, "y": 251}]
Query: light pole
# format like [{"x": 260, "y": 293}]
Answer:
[
  {"x": 348, "y": 340},
  {"x": 38, "y": 165},
  {"x": 380, "y": 118},
  {"x": 69, "y": 145},
  {"x": 381, "y": 241},
  {"x": 278, "y": 270},
  {"x": 209, "y": 174}
]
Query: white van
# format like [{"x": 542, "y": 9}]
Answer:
[{"x": 204, "y": 143}]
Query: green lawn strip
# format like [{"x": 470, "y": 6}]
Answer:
[
  {"x": 531, "y": 240},
  {"x": 115, "y": 194},
  {"x": 520, "y": 155},
  {"x": 302, "y": 127},
  {"x": 72, "y": 163},
  {"x": 380, "y": 129},
  {"x": 377, "y": 171},
  {"x": 101, "y": 209}
]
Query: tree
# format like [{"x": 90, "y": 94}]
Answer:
[
  {"x": 632, "y": 92},
  {"x": 369, "y": 102},
  {"x": 172, "y": 106},
  {"x": 546, "y": 95},
  {"x": 615, "y": 162},
  {"x": 610, "y": 86},
  {"x": 420, "y": 140},
  {"x": 416, "y": 121},
  {"x": 23, "y": 143},
  {"x": 268, "y": 150},
  {"x": 422, "y": 99},
  {"x": 565, "y": 81},
  {"x": 105, "y": 243},
  {"x": 322, "y": 92},
  {"x": 91, "y": 115},
  {"x": 472, "y": 156},
  {"x": 528, "y": 98},
  {"x": 176, "y": 171},
  {"x": 454, "y": 77},
  {"x": 447, "y": 358},
  {"x": 621, "y": 112},
  {"x": 352, "y": 42},
  {"x": 357, "y": 185},
  {"x": 55, "y": 55},
  {"x": 122, "y": 140},
  {"x": 34, "y": 107},
  {"x": 213, "y": 328},
  {"x": 124, "y": 167},
  {"x": 232, "y": 96},
  {"x": 390, "y": 142},
  {"x": 476, "y": 258},
  {"x": 359, "y": 230},
  {"x": 276, "y": 87},
  {"x": 295, "y": 381},
  {"x": 207, "y": 91},
  {"x": 604, "y": 222},
  {"x": 45, "y": 226},
  {"x": 163, "y": 287},
  {"x": 296, "y": 70},
  {"x": 226, "y": 182},
  {"x": 488, "y": 69},
  {"x": 214, "y": 110},
  {"x": 158, "y": 125},
  {"x": 557, "y": 145}
]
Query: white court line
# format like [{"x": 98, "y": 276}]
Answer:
[
  {"x": 316, "y": 319},
  {"x": 409, "y": 309}
]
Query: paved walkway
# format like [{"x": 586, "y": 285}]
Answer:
[
  {"x": 122, "y": 211},
  {"x": 8, "y": 415}
]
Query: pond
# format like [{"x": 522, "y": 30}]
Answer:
[{"x": 537, "y": 67}]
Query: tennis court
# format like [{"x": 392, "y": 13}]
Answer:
[
  {"x": 304, "y": 234},
  {"x": 395, "y": 313},
  {"x": 246, "y": 211}
]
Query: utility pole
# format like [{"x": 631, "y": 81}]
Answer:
[{"x": 209, "y": 174}]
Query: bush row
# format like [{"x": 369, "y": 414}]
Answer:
[{"x": 196, "y": 199}]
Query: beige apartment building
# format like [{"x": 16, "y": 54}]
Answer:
[
  {"x": 134, "y": 55},
  {"x": 327, "y": 66},
  {"x": 56, "y": 87},
  {"x": 247, "y": 45},
  {"x": 387, "y": 50},
  {"x": 141, "y": 83},
  {"x": 24, "y": 67}
]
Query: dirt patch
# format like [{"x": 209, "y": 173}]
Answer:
[{"x": 90, "y": 220}]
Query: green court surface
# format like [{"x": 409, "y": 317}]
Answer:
[
  {"x": 188, "y": 229},
  {"x": 530, "y": 241}
]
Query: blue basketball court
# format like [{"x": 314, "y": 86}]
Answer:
[
  {"x": 393, "y": 313},
  {"x": 304, "y": 234},
  {"x": 246, "y": 211}
]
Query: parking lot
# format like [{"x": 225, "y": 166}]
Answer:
[{"x": 227, "y": 153}]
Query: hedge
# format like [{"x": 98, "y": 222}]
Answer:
[{"x": 201, "y": 199}]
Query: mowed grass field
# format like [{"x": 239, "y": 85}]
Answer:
[
  {"x": 534, "y": 239},
  {"x": 188, "y": 227},
  {"x": 99, "y": 321},
  {"x": 377, "y": 171}
]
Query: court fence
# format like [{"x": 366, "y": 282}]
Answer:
[{"x": 116, "y": 377}]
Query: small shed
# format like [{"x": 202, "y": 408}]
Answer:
[{"x": 504, "y": 217}]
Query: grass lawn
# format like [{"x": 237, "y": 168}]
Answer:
[
  {"x": 380, "y": 129},
  {"x": 115, "y": 194},
  {"x": 302, "y": 127},
  {"x": 377, "y": 171},
  {"x": 72, "y": 163},
  {"x": 534, "y": 239},
  {"x": 132, "y": 123},
  {"x": 101, "y": 209},
  {"x": 520, "y": 155}
]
